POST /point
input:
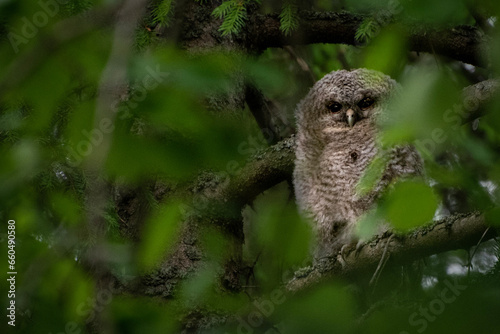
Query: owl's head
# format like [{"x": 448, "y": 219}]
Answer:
[{"x": 346, "y": 99}]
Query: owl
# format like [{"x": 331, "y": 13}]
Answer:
[{"x": 337, "y": 126}]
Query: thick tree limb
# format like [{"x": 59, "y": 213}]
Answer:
[
  {"x": 268, "y": 115},
  {"x": 113, "y": 84},
  {"x": 217, "y": 199},
  {"x": 234, "y": 190},
  {"x": 456, "y": 232},
  {"x": 275, "y": 164},
  {"x": 336, "y": 28},
  {"x": 240, "y": 185},
  {"x": 463, "y": 43},
  {"x": 475, "y": 97}
]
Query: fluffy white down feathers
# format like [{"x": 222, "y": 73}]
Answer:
[{"x": 336, "y": 141}]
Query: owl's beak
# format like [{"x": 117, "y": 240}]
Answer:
[{"x": 350, "y": 117}]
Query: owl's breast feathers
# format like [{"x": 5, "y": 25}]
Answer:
[
  {"x": 336, "y": 141},
  {"x": 326, "y": 179},
  {"x": 338, "y": 169}
]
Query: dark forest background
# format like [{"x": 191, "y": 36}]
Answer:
[{"x": 146, "y": 154}]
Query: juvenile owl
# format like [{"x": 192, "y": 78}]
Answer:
[{"x": 336, "y": 141}]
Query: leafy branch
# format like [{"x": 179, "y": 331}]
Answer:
[
  {"x": 289, "y": 19},
  {"x": 160, "y": 13},
  {"x": 234, "y": 13},
  {"x": 367, "y": 30}
]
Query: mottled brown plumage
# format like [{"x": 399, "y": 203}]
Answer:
[{"x": 336, "y": 140}]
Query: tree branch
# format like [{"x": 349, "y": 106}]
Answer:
[
  {"x": 217, "y": 200},
  {"x": 268, "y": 115},
  {"x": 463, "y": 43},
  {"x": 275, "y": 164},
  {"x": 475, "y": 97},
  {"x": 455, "y": 232},
  {"x": 336, "y": 28},
  {"x": 234, "y": 190}
]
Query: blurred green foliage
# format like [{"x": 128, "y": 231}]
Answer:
[
  {"x": 277, "y": 237},
  {"x": 410, "y": 204},
  {"x": 159, "y": 236},
  {"x": 175, "y": 122}
]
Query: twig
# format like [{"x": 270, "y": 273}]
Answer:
[
  {"x": 475, "y": 249},
  {"x": 381, "y": 263}
]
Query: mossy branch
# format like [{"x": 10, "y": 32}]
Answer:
[{"x": 460, "y": 231}]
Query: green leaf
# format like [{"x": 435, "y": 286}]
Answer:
[
  {"x": 372, "y": 174},
  {"x": 289, "y": 19},
  {"x": 410, "y": 204},
  {"x": 278, "y": 237},
  {"x": 67, "y": 208},
  {"x": 139, "y": 314},
  {"x": 160, "y": 234},
  {"x": 492, "y": 216},
  {"x": 223, "y": 9},
  {"x": 387, "y": 53},
  {"x": 43, "y": 102},
  {"x": 136, "y": 158},
  {"x": 312, "y": 311},
  {"x": 234, "y": 13},
  {"x": 367, "y": 29},
  {"x": 161, "y": 12},
  {"x": 420, "y": 112}
]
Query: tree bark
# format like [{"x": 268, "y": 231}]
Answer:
[
  {"x": 224, "y": 194},
  {"x": 464, "y": 43},
  {"x": 275, "y": 164},
  {"x": 461, "y": 231}
]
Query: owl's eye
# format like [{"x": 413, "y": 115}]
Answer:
[
  {"x": 366, "y": 103},
  {"x": 334, "y": 107}
]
